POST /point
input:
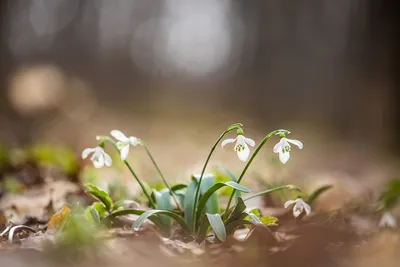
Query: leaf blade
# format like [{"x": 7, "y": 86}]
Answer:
[
  {"x": 100, "y": 194},
  {"x": 213, "y": 189},
  {"x": 189, "y": 202},
  {"x": 146, "y": 215},
  {"x": 217, "y": 225}
]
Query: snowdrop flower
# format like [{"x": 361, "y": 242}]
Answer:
[
  {"x": 124, "y": 143},
  {"x": 283, "y": 148},
  {"x": 241, "y": 147},
  {"x": 99, "y": 157},
  {"x": 387, "y": 220},
  {"x": 299, "y": 207}
]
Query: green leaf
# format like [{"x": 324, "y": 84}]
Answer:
[
  {"x": 256, "y": 212},
  {"x": 136, "y": 225},
  {"x": 215, "y": 187},
  {"x": 122, "y": 203},
  {"x": 212, "y": 205},
  {"x": 231, "y": 227},
  {"x": 269, "y": 220},
  {"x": 118, "y": 213},
  {"x": 100, "y": 195},
  {"x": 237, "y": 212},
  {"x": 314, "y": 195},
  {"x": 390, "y": 195},
  {"x": 268, "y": 191},
  {"x": 203, "y": 229},
  {"x": 93, "y": 215},
  {"x": 100, "y": 208},
  {"x": 234, "y": 179},
  {"x": 178, "y": 187},
  {"x": 253, "y": 218},
  {"x": 188, "y": 206},
  {"x": 265, "y": 220},
  {"x": 107, "y": 220},
  {"x": 217, "y": 225},
  {"x": 181, "y": 197},
  {"x": 163, "y": 203}
]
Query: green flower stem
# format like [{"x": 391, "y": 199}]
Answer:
[
  {"x": 152, "y": 204},
  {"x": 266, "y": 138},
  {"x": 161, "y": 174},
  {"x": 293, "y": 187},
  {"x": 230, "y": 128},
  {"x": 108, "y": 139}
]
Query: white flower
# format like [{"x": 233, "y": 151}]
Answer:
[
  {"x": 241, "y": 147},
  {"x": 283, "y": 148},
  {"x": 99, "y": 157},
  {"x": 388, "y": 220},
  {"x": 299, "y": 207},
  {"x": 124, "y": 143}
]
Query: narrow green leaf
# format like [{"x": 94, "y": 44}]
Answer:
[
  {"x": 178, "y": 187},
  {"x": 231, "y": 227},
  {"x": 156, "y": 220},
  {"x": 217, "y": 225},
  {"x": 99, "y": 194},
  {"x": 203, "y": 229},
  {"x": 268, "y": 191},
  {"x": 237, "y": 212},
  {"x": 124, "y": 202},
  {"x": 211, "y": 191},
  {"x": 108, "y": 219},
  {"x": 136, "y": 225},
  {"x": 188, "y": 206},
  {"x": 316, "y": 193}
]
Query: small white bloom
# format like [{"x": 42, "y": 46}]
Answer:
[
  {"x": 241, "y": 147},
  {"x": 283, "y": 148},
  {"x": 99, "y": 157},
  {"x": 124, "y": 142},
  {"x": 299, "y": 207},
  {"x": 388, "y": 220}
]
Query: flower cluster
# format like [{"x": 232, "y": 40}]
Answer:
[{"x": 100, "y": 158}]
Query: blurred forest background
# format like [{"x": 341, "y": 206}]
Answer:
[{"x": 176, "y": 72}]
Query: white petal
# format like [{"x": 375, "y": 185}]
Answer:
[
  {"x": 284, "y": 156},
  {"x": 87, "y": 151},
  {"x": 124, "y": 152},
  {"x": 240, "y": 139},
  {"x": 288, "y": 203},
  {"x": 388, "y": 220},
  {"x": 227, "y": 141},
  {"x": 250, "y": 141},
  {"x": 107, "y": 159},
  {"x": 133, "y": 141},
  {"x": 244, "y": 154},
  {"x": 306, "y": 207},
  {"x": 119, "y": 136},
  {"x": 295, "y": 142},
  {"x": 98, "y": 162},
  {"x": 278, "y": 147},
  {"x": 297, "y": 211}
]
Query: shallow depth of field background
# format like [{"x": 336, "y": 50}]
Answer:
[{"x": 176, "y": 73}]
